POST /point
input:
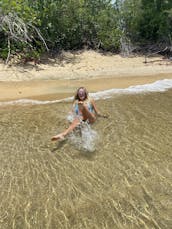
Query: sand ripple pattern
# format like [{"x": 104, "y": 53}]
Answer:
[{"x": 126, "y": 182}]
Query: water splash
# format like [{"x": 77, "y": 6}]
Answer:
[
  {"x": 70, "y": 117},
  {"x": 84, "y": 138}
]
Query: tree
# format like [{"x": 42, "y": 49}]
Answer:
[
  {"x": 18, "y": 32},
  {"x": 153, "y": 24}
]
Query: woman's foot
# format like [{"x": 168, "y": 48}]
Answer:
[{"x": 57, "y": 137}]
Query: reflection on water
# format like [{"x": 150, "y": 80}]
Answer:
[{"x": 124, "y": 182}]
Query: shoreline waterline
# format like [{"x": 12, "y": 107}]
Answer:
[
  {"x": 157, "y": 86},
  {"x": 60, "y": 89}
]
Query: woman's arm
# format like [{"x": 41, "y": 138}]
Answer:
[{"x": 96, "y": 110}]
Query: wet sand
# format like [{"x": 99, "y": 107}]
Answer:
[
  {"x": 57, "y": 78},
  {"x": 59, "y": 89}
]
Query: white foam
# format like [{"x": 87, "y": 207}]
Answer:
[
  {"x": 86, "y": 139},
  {"x": 158, "y": 86},
  {"x": 33, "y": 102}
]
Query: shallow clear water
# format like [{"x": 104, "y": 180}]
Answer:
[{"x": 122, "y": 179}]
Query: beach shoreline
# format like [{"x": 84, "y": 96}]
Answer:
[{"x": 97, "y": 72}]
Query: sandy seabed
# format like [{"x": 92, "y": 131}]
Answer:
[{"x": 59, "y": 77}]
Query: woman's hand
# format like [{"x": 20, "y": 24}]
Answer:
[
  {"x": 102, "y": 115},
  {"x": 80, "y": 102}
]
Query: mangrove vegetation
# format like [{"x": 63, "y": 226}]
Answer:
[{"x": 29, "y": 28}]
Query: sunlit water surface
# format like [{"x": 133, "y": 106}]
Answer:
[{"x": 115, "y": 174}]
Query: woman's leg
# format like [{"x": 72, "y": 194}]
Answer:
[
  {"x": 73, "y": 125},
  {"x": 87, "y": 115}
]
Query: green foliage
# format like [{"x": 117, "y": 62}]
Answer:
[
  {"x": 20, "y": 7},
  {"x": 145, "y": 21},
  {"x": 74, "y": 24},
  {"x": 153, "y": 24},
  {"x": 4, "y": 53}
]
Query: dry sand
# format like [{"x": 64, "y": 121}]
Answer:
[{"x": 59, "y": 77}]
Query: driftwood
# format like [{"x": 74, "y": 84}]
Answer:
[
  {"x": 17, "y": 30},
  {"x": 165, "y": 51}
]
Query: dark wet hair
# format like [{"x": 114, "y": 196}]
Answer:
[{"x": 76, "y": 97}]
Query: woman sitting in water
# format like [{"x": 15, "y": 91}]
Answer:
[{"x": 84, "y": 109}]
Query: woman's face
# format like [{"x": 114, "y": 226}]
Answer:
[{"x": 81, "y": 94}]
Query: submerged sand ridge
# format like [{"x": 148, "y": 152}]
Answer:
[{"x": 58, "y": 78}]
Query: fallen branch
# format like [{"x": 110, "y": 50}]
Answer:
[
  {"x": 156, "y": 52},
  {"x": 17, "y": 30},
  {"x": 9, "y": 50}
]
